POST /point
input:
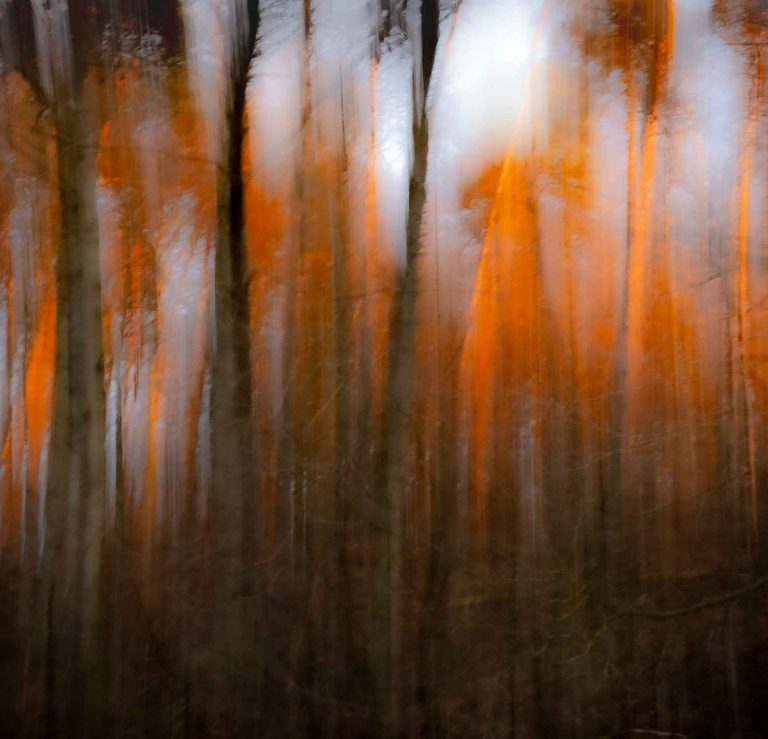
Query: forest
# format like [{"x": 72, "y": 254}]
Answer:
[{"x": 383, "y": 368}]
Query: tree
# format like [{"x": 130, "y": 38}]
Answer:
[
  {"x": 234, "y": 462},
  {"x": 65, "y": 35},
  {"x": 391, "y": 471}
]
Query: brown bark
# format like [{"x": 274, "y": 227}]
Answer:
[
  {"x": 234, "y": 461},
  {"x": 75, "y": 511},
  {"x": 392, "y": 470}
]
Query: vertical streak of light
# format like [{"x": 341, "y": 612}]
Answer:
[{"x": 743, "y": 297}]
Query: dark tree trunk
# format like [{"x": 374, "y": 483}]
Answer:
[
  {"x": 391, "y": 471},
  {"x": 75, "y": 511},
  {"x": 234, "y": 462}
]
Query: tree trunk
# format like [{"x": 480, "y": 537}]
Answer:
[
  {"x": 234, "y": 463},
  {"x": 391, "y": 472},
  {"x": 78, "y": 463}
]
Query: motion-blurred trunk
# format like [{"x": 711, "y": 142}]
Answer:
[
  {"x": 623, "y": 410},
  {"x": 609, "y": 503},
  {"x": 234, "y": 464},
  {"x": 392, "y": 469},
  {"x": 341, "y": 588},
  {"x": 78, "y": 462},
  {"x": 745, "y": 392}
]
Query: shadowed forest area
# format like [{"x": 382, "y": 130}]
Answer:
[{"x": 383, "y": 368}]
